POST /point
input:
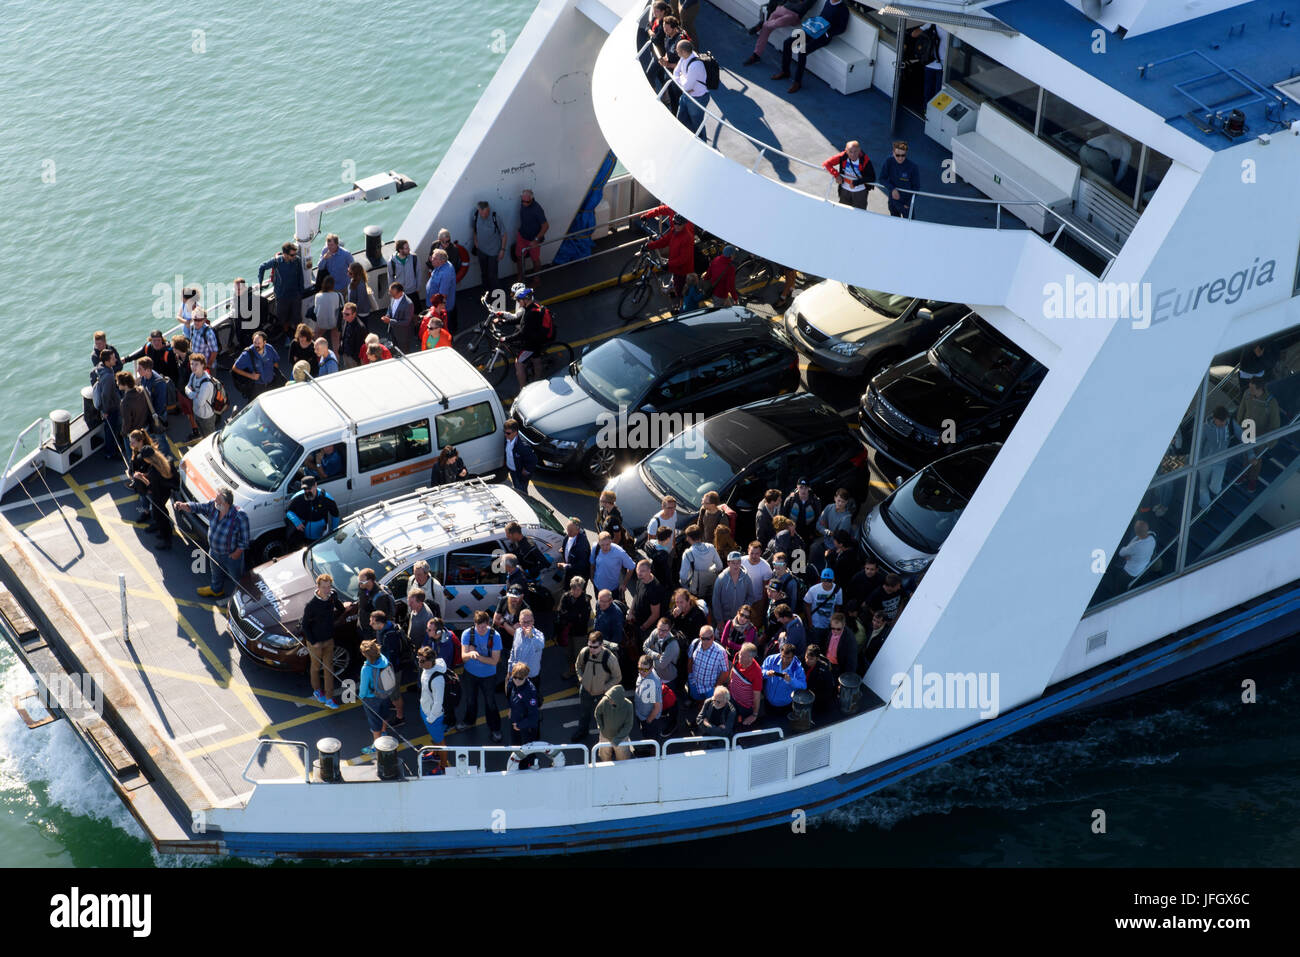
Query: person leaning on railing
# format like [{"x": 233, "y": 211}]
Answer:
[
  {"x": 853, "y": 171},
  {"x": 691, "y": 76}
]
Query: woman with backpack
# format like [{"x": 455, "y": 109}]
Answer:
[
  {"x": 377, "y": 683},
  {"x": 154, "y": 476}
]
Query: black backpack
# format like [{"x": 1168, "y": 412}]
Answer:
[
  {"x": 712, "y": 73},
  {"x": 450, "y": 694}
]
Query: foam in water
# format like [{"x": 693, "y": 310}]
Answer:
[{"x": 53, "y": 756}]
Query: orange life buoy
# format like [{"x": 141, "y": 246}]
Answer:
[{"x": 464, "y": 262}]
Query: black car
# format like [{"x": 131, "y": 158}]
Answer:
[
  {"x": 681, "y": 369},
  {"x": 742, "y": 453},
  {"x": 970, "y": 387}
]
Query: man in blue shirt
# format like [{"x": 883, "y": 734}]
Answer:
[
  {"x": 287, "y": 279},
  {"x": 609, "y": 617},
  {"x": 897, "y": 174},
  {"x": 782, "y": 677},
  {"x": 227, "y": 540},
  {"x": 256, "y": 366},
  {"x": 480, "y": 649},
  {"x": 442, "y": 279},
  {"x": 532, "y": 233},
  {"x": 335, "y": 260},
  {"x": 610, "y": 566}
]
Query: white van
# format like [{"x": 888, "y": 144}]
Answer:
[{"x": 372, "y": 433}]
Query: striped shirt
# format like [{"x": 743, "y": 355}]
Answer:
[
  {"x": 709, "y": 664},
  {"x": 528, "y": 650}
]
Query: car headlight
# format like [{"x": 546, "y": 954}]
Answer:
[
  {"x": 914, "y": 564},
  {"x": 845, "y": 348},
  {"x": 282, "y": 642},
  {"x": 565, "y": 445}
]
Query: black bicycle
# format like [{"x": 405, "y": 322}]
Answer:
[{"x": 495, "y": 345}]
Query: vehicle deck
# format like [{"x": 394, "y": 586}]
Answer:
[{"x": 177, "y": 688}]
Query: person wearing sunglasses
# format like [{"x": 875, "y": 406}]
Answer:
[{"x": 898, "y": 174}]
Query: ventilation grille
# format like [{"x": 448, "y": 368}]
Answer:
[
  {"x": 811, "y": 755},
  {"x": 1095, "y": 642},
  {"x": 767, "y": 767}
]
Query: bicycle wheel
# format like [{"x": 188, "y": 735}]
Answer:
[
  {"x": 753, "y": 275},
  {"x": 556, "y": 358},
  {"x": 633, "y": 269},
  {"x": 634, "y": 299},
  {"x": 492, "y": 363}
]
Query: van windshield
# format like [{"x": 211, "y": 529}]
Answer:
[{"x": 257, "y": 450}]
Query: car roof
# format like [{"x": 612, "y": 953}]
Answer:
[
  {"x": 964, "y": 470},
  {"x": 372, "y": 391},
  {"x": 694, "y": 332},
  {"x": 447, "y": 515},
  {"x": 742, "y": 434}
]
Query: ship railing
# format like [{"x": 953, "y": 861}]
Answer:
[
  {"x": 750, "y": 736},
  {"x": 463, "y": 757},
  {"x": 697, "y": 741},
  {"x": 24, "y": 461},
  {"x": 830, "y": 194},
  {"x": 263, "y": 744}
]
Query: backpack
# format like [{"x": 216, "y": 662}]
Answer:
[
  {"x": 669, "y": 697},
  {"x": 700, "y": 581},
  {"x": 548, "y": 324},
  {"x": 712, "y": 73},
  {"x": 610, "y": 649},
  {"x": 219, "y": 398},
  {"x": 450, "y": 694},
  {"x": 385, "y": 681}
]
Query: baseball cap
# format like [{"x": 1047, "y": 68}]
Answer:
[
  {"x": 802, "y": 481},
  {"x": 515, "y": 592},
  {"x": 734, "y": 556},
  {"x": 827, "y": 574},
  {"x": 613, "y": 528},
  {"x": 308, "y": 480}
]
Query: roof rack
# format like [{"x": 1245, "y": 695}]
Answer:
[
  {"x": 475, "y": 491},
  {"x": 442, "y": 396}
]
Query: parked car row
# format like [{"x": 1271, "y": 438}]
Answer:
[{"x": 945, "y": 389}]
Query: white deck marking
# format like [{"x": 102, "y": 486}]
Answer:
[{"x": 194, "y": 735}]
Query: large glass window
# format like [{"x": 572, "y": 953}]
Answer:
[
  {"x": 257, "y": 449},
  {"x": 1157, "y": 164},
  {"x": 982, "y": 78},
  {"x": 1231, "y": 473},
  {"x": 462, "y": 425},
  {"x": 1104, "y": 154},
  {"x": 392, "y": 446}
]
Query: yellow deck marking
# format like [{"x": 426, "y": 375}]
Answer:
[
  {"x": 235, "y": 683},
  {"x": 82, "y": 512},
  {"x": 136, "y": 592},
  {"x": 566, "y": 488}
]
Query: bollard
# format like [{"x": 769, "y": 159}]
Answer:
[
  {"x": 88, "y": 410},
  {"x": 386, "y": 759},
  {"x": 61, "y": 422},
  {"x": 374, "y": 247},
  {"x": 850, "y": 692},
  {"x": 328, "y": 762},
  {"x": 126, "y": 622},
  {"x": 801, "y": 710}
]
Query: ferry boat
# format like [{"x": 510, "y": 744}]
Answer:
[{"x": 1109, "y": 185}]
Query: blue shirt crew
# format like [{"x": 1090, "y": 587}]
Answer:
[
  {"x": 530, "y": 220},
  {"x": 528, "y": 650},
  {"x": 337, "y": 266},
  {"x": 609, "y": 623},
  {"x": 225, "y": 535},
  {"x": 368, "y": 672},
  {"x": 708, "y": 665},
  {"x": 485, "y": 645},
  {"x": 442, "y": 280},
  {"x": 895, "y": 175},
  {"x": 157, "y": 390},
  {"x": 327, "y": 365},
  {"x": 607, "y": 568},
  {"x": 263, "y": 364},
  {"x": 286, "y": 277},
  {"x": 779, "y": 691}
]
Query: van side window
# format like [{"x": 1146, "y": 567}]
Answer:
[
  {"x": 462, "y": 425},
  {"x": 392, "y": 446},
  {"x": 475, "y": 565}
]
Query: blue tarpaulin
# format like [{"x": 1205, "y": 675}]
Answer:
[{"x": 578, "y": 244}]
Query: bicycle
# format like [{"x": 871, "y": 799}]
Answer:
[
  {"x": 643, "y": 260},
  {"x": 493, "y": 359},
  {"x": 651, "y": 273}
]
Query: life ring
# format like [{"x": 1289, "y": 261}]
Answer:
[{"x": 464, "y": 262}]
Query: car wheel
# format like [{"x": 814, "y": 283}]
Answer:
[
  {"x": 342, "y": 658},
  {"x": 599, "y": 463},
  {"x": 271, "y": 548}
]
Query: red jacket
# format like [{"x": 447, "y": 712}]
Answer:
[
  {"x": 681, "y": 249},
  {"x": 835, "y": 166},
  {"x": 722, "y": 273}
]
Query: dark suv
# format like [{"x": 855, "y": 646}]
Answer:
[{"x": 969, "y": 388}]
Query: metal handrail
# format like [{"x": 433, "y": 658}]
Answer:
[
  {"x": 753, "y": 734},
  {"x": 300, "y": 745},
  {"x": 766, "y": 148},
  {"x": 459, "y": 752},
  {"x": 41, "y": 439},
  {"x": 699, "y": 739}
]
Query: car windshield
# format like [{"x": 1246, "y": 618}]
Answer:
[
  {"x": 884, "y": 302},
  {"x": 257, "y": 450},
  {"x": 343, "y": 555},
  {"x": 687, "y": 467},
  {"x": 980, "y": 358},
  {"x": 924, "y": 509},
  {"x": 545, "y": 516},
  {"x": 615, "y": 373}
]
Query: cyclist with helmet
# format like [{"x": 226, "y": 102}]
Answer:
[{"x": 532, "y": 332}]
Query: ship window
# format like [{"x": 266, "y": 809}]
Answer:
[
  {"x": 1157, "y": 164},
  {"x": 1105, "y": 155},
  {"x": 982, "y": 78}
]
